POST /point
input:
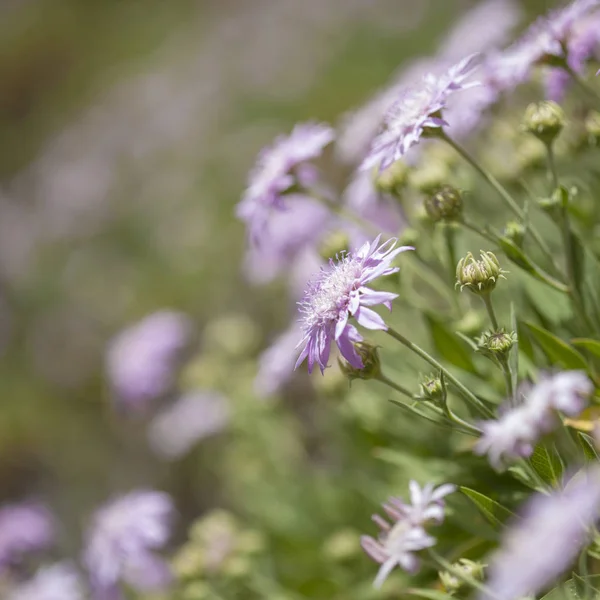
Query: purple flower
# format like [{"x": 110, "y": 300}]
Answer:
[
  {"x": 193, "y": 417},
  {"x": 24, "y": 528},
  {"x": 142, "y": 361},
  {"x": 418, "y": 109},
  {"x": 398, "y": 542},
  {"x": 567, "y": 392},
  {"x": 545, "y": 542},
  {"x": 122, "y": 543},
  {"x": 279, "y": 168},
  {"x": 56, "y": 582},
  {"x": 341, "y": 292}
]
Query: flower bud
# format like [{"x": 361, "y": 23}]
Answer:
[
  {"x": 592, "y": 128},
  {"x": 370, "y": 359},
  {"x": 452, "y": 583},
  {"x": 445, "y": 204},
  {"x": 432, "y": 388},
  {"x": 545, "y": 120},
  {"x": 497, "y": 344},
  {"x": 393, "y": 179},
  {"x": 515, "y": 232},
  {"x": 480, "y": 276},
  {"x": 334, "y": 243}
]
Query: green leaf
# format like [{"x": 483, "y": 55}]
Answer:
[
  {"x": 448, "y": 345},
  {"x": 513, "y": 359},
  {"x": 429, "y": 594},
  {"x": 588, "y": 446},
  {"x": 578, "y": 259},
  {"x": 494, "y": 512},
  {"x": 592, "y": 346},
  {"x": 547, "y": 464},
  {"x": 558, "y": 351}
]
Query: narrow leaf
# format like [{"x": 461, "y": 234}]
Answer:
[
  {"x": 547, "y": 464},
  {"x": 449, "y": 346},
  {"x": 494, "y": 512},
  {"x": 557, "y": 351},
  {"x": 428, "y": 594},
  {"x": 513, "y": 359},
  {"x": 589, "y": 448},
  {"x": 592, "y": 346}
]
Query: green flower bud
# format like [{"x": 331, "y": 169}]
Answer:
[
  {"x": 515, "y": 232},
  {"x": 334, "y": 243},
  {"x": 480, "y": 276},
  {"x": 445, "y": 204},
  {"x": 432, "y": 388},
  {"x": 370, "y": 358},
  {"x": 393, "y": 179},
  {"x": 497, "y": 344},
  {"x": 544, "y": 120},
  {"x": 592, "y": 128},
  {"x": 453, "y": 583}
]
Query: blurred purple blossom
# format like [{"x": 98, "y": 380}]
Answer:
[
  {"x": 339, "y": 292},
  {"x": 24, "y": 528},
  {"x": 60, "y": 581},
  {"x": 194, "y": 416},
  {"x": 280, "y": 168},
  {"x": 142, "y": 361},
  {"x": 122, "y": 541},
  {"x": 418, "y": 109},
  {"x": 547, "y": 538}
]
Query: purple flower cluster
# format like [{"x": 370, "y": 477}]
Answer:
[
  {"x": 541, "y": 545},
  {"x": 398, "y": 542},
  {"x": 341, "y": 292},
  {"x": 56, "y": 582},
  {"x": 516, "y": 432}
]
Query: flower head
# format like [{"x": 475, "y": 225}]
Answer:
[
  {"x": 122, "y": 543},
  {"x": 56, "y": 582},
  {"x": 341, "y": 292},
  {"x": 142, "y": 360},
  {"x": 479, "y": 276},
  {"x": 417, "y": 113},
  {"x": 24, "y": 528},
  {"x": 280, "y": 168},
  {"x": 545, "y": 541}
]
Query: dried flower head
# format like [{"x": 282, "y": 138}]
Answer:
[
  {"x": 341, "y": 292},
  {"x": 479, "y": 276}
]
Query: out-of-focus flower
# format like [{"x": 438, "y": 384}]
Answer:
[
  {"x": 516, "y": 432},
  {"x": 341, "y": 292},
  {"x": 398, "y": 542},
  {"x": 279, "y": 168},
  {"x": 546, "y": 540},
  {"x": 24, "y": 528},
  {"x": 417, "y": 113},
  {"x": 142, "y": 360},
  {"x": 276, "y": 363},
  {"x": 194, "y": 416},
  {"x": 56, "y": 582},
  {"x": 122, "y": 542}
]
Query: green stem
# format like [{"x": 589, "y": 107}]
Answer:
[
  {"x": 460, "y": 574},
  {"x": 487, "y": 300},
  {"x": 475, "y": 229},
  {"x": 507, "y": 379},
  {"x": 451, "y": 250},
  {"x": 552, "y": 165},
  {"x": 383, "y": 379},
  {"x": 583, "y": 86},
  {"x": 467, "y": 427},
  {"x": 465, "y": 393}
]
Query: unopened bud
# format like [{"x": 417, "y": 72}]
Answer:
[
  {"x": 515, "y": 232},
  {"x": 393, "y": 179},
  {"x": 592, "y": 128},
  {"x": 445, "y": 204},
  {"x": 497, "y": 344},
  {"x": 370, "y": 359},
  {"x": 334, "y": 243},
  {"x": 453, "y": 583},
  {"x": 545, "y": 120},
  {"x": 480, "y": 276},
  {"x": 432, "y": 388}
]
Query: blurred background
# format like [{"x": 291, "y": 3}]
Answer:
[{"x": 127, "y": 129}]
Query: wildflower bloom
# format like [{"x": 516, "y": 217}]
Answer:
[
  {"x": 516, "y": 432},
  {"x": 56, "y": 582},
  {"x": 122, "y": 543},
  {"x": 142, "y": 360},
  {"x": 341, "y": 292},
  {"x": 398, "y": 542},
  {"x": 546, "y": 540},
  {"x": 418, "y": 112},
  {"x": 24, "y": 528},
  {"x": 280, "y": 167}
]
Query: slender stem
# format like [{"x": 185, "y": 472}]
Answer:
[
  {"x": 502, "y": 191},
  {"x": 475, "y": 229},
  {"x": 460, "y": 574},
  {"x": 583, "y": 86},
  {"x": 552, "y": 165},
  {"x": 471, "y": 429},
  {"x": 507, "y": 379},
  {"x": 465, "y": 393},
  {"x": 395, "y": 386},
  {"x": 451, "y": 250},
  {"x": 487, "y": 300}
]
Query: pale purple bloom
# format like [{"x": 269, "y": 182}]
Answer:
[
  {"x": 56, "y": 582},
  {"x": 341, "y": 292},
  {"x": 24, "y": 528},
  {"x": 546, "y": 540},
  {"x": 142, "y": 361},
  {"x": 122, "y": 543},
  {"x": 276, "y": 363},
  {"x": 418, "y": 109},
  {"x": 279, "y": 168},
  {"x": 567, "y": 392},
  {"x": 194, "y": 416},
  {"x": 397, "y": 542}
]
